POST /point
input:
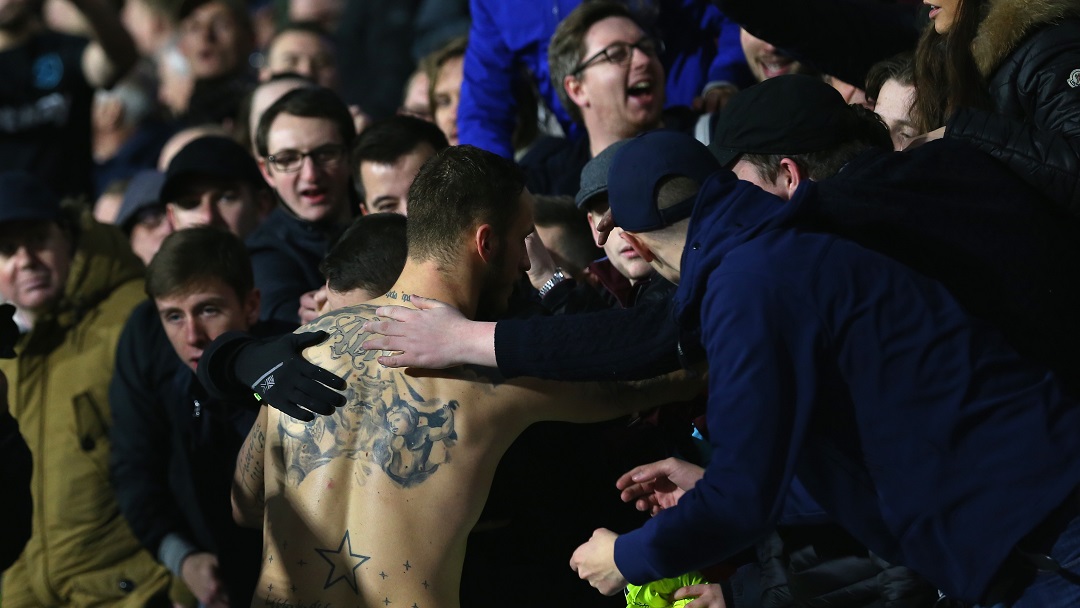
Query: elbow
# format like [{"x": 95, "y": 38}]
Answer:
[{"x": 244, "y": 513}]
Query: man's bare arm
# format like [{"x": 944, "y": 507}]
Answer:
[
  {"x": 248, "y": 488},
  {"x": 112, "y": 53}
]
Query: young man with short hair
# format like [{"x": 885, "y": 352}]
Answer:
[
  {"x": 387, "y": 157},
  {"x": 172, "y": 456},
  {"x": 303, "y": 141}
]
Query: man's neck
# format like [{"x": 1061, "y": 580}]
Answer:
[
  {"x": 12, "y": 39},
  {"x": 600, "y": 139},
  {"x": 427, "y": 280}
]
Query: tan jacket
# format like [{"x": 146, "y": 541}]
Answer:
[{"x": 81, "y": 551}]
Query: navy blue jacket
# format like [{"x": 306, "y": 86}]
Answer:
[
  {"x": 285, "y": 254},
  {"x": 917, "y": 428}
]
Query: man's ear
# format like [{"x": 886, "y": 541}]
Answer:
[
  {"x": 265, "y": 170},
  {"x": 639, "y": 246},
  {"x": 170, "y": 215},
  {"x": 251, "y": 306},
  {"x": 485, "y": 243},
  {"x": 573, "y": 88},
  {"x": 789, "y": 177}
]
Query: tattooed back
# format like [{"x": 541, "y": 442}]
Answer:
[{"x": 371, "y": 506}]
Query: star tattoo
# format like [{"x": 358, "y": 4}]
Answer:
[{"x": 343, "y": 558}]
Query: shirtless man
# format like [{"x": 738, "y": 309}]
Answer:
[{"x": 371, "y": 506}]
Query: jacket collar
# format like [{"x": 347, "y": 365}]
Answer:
[
  {"x": 727, "y": 213},
  {"x": 1009, "y": 22}
]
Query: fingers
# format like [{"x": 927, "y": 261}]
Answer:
[
  {"x": 321, "y": 377},
  {"x": 394, "y": 360},
  {"x": 427, "y": 303},
  {"x": 643, "y": 473},
  {"x": 292, "y": 410},
  {"x": 382, "y": 328}
]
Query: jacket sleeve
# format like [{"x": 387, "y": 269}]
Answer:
[
  {"x": 1044, "y": 148},
  {"x": 16, "y": 510},
  {"x": 618, "y": 344},
  {"x": 486, "y": 111},
  {"x": 760, "y": 352},
  {"x": 141, "y": 440},
  {"x": 847, "y": 36}
]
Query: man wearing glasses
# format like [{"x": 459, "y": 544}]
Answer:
[
  {"x": 302, "y": 141},
  {"x": 608, "y": 75}
]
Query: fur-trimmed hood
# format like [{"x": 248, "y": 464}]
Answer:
[{"x": 1009, "y": 22}]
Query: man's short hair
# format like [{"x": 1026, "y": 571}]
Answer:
[
  {"x": 369, "y": 255},
  {"x": 900, "y": 68},
  {"x": 567, "y": 47},
  {"x": 190, "y": 259},
  {"x": 306, "y": 27},
  {"x": 387, "y": 140},
  {"x": 308, "y": 102},
  {"x": 459, "y": 189}
]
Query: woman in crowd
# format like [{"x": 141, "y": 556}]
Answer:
[{"x": 1005, "y": 76}]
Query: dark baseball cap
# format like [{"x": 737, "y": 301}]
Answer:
[
  {"x": 594, "y": 174},
  {"x": 639, "y": 167},
  {"x": 143, "y": 191},
  {"x": 791, "y": 114},
  {"x": 210, "y": 156},
  {"x": 26, "y": 197}
]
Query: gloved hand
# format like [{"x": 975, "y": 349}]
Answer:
[
  {"x": 9, "y": 331},
  {"x": 234, "y": 365},
  {"x": 280, "y": 375}
]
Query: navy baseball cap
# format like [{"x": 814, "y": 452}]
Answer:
[
  {"x": 594, "y": 175},
  {"x": 26, "y": 197},
  {"x": 143, "y": 191},
  {"x": 210, "y": 156},
  {"x": 790, "y": 114},
  {"x": 641, "y": 165}
]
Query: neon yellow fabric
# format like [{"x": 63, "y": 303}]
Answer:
[{"x": 658, "y": 594}]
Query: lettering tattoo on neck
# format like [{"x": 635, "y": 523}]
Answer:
[{"x": 404, "y": 297}]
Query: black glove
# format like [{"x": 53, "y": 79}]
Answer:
[
  {"x": 9, "y": 331},
  {"x": 275, "y": 370}
]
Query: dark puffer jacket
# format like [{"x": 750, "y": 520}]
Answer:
[{"x": 1029, "y": 52}]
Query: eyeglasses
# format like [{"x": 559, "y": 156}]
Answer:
[
  {"x": 290, "y": 161},
  {"x": 620, "y": 53}
]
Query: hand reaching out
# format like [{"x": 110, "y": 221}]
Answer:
[
  {"x": 708, "y": 596},
  {"x": 659, "y": 485},
  {"x": 435, "y": 336}
]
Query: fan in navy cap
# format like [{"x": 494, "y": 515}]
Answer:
[
  {"x": 142, "y": 214},
  {"x": 214, "y": 181},
  {"x": 648, "y": 162}
]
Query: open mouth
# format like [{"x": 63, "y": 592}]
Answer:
[
  {"x": 771, "y": 68},
  {"x": 934, "y": 10},
  {"x": 640, "y": 89},
  {"x": 313, "y": 196}
]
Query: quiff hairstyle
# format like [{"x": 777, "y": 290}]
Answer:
[
  {"x": 191, "y": 258},
  {"x": 567, "y": 47},
  {"x": 455, "y": 192}
]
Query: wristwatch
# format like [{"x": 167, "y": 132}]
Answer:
[{"x": 556, "y": 278}]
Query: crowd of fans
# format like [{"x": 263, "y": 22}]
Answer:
[{"x": 174, "y": 171}]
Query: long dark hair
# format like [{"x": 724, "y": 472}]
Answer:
[{"x": 946, "y": 76}]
